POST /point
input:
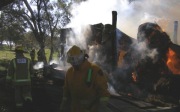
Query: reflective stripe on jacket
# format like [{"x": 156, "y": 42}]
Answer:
[
  {"x": 86, "y": 87},
  {"x": 20, "y": 70}
]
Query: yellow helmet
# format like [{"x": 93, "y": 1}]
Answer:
[
  {"x": 19, "y": 48},
  {"x": 75, "y": 55},
  {"x": 74, "y": 50}
]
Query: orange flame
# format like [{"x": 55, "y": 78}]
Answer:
[
  {"x": 173, "y": 62},
  {"x": 134, "y": 77}
]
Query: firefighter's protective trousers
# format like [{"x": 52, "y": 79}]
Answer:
[{"x": 19, "y": 72}]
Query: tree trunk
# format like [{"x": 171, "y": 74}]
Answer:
[
  {"x": 52, "y": 49},
  {"x": 41, "y": 52},
  {"x": 51, "y": 53}
]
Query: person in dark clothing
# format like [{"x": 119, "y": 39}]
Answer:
[
  {"x": 19, "y": 76},
  {"x": 32, "y": 55},
  {"x": 85, "y": 84}
]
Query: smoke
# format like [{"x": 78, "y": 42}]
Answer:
[
  {"x": 130, "y": 15},
  {"x": 79, "y": 36},
  {"x": 38, "y": 65},
  {"x": 146, "y": 52},
  {"x": 95, "y": 54}
]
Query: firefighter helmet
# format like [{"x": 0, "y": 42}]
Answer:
[
  {"x": 19, "y": 49},
  {"x": 75, "y": 55}
]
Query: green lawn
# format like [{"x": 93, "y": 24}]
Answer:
[{"x": 7, "y": 55}]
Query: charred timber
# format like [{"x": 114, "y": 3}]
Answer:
[
  {"x": 114, "y": 45},
  {"x": 128, "y": 104},
  {"x": 175, "y": 31}
]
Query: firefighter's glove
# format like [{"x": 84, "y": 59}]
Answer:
[
  {"x": 63, "y": 104},
  {"x": 103, "y": 105}
]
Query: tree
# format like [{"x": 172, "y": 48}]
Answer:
[
  {"x": 43, "y": 18},
  {"x": 30, "y": 41},
  {"x": 10, "y": 29}
]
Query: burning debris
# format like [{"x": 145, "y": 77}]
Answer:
[
  {"x": 154, "y": 68},
  {"x": 173, "y": 61},
  {"x": 143, "y": 66}
]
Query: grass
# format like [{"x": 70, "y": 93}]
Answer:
[{"x": 6, "y": 55}]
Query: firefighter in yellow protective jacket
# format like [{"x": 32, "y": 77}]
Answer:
[
  {"x": 85, "y": 85},
  {"x": 19, "y": 75}
]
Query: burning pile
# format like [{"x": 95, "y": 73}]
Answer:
[
  {"x": 173, "y": 61},
  {"x": 153, "y": 62},
  {"x": 150, "y": 59}
]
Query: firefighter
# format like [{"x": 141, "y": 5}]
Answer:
[
  {"x": 40, "y": 55},
  {"x": 85, "y": 84},
  {"x": 32, "y": 55},
  {"x": 19, "y": 75}
]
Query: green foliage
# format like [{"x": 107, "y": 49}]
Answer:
[
  {"x": 6, "y": 55},
  {"x": 11, "y": 29},
  {"x": 47, "y": 52},
  {"x": 42, "y": 18}
]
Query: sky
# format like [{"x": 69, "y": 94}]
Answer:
[{"x": 129, "y": 15}]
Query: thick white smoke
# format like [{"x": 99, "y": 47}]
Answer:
[{"x": 130, "y": 15}]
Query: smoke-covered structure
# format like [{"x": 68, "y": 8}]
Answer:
[
  {"x": 100, "y": 44},
  {"x": 152, "y": 60},
  {"x": 143, "y": 66},
  {"x": 151, "y": 70}
]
